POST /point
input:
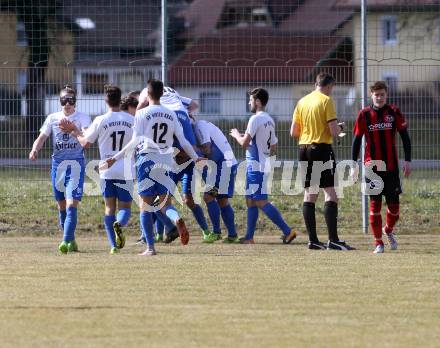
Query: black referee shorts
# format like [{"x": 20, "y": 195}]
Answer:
[{"x": 318, "y": 153}]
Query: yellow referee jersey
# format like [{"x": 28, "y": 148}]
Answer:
[{"x": 312, "y": 114}]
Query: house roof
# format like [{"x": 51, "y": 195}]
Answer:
[
  {"x": 389, "y": 4},
  {"x": 201, "y": 21},
  {"x": 118, "y": 24},
  {"x": 315, "y": 16},
  {"x": 250, "y": 55},
  {"x": 203, "y": 16}
]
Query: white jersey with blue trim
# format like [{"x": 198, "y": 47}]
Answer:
[
  {"x": 172, "y": 100},
  {"x": 261, "y": 128},
  {"x": 113, "y": 131},
  {"x": 221, "y": 150},
  {"x": 65, "y": 146}
]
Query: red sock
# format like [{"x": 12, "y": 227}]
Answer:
[
  {"x": 376, "y": 221},
  {"x": 392, "y": 216}
]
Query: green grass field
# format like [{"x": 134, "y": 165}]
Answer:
[
  {"x": 266, "y": 295},
  {"x": 27, "y": 206}
]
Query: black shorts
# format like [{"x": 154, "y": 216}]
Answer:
[
  {"x": 392, "y": 185},
  {"x": 318, "y": 153}
]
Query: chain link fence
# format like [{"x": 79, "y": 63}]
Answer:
[{"x": 218, "y": 50}]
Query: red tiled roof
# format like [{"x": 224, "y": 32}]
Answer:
[
  {"x": 315, "y": 16},
  {"x": 389, "y": 4},
  {"x": 249, "y": 55}
]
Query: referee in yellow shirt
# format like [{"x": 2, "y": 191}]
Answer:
[{"x": 315, "y": 125}]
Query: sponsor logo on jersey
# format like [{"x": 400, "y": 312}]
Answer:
[{"x": 380, "y": 126}]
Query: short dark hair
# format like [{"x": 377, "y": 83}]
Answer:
[
  {"x": 68, "y": 89},
  {"x": 324, "y": 79},
  {"x": 134, "y": 94},
  {"x": 113, "y": 94},
  {"x": 261, "y": 94},
  {"x": 379, "y": 85},
  {"x": 127, "y": 101},
  {"x": 156, "y": 88}
]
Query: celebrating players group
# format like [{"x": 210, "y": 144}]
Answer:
[{"x": 154, "y": 138}]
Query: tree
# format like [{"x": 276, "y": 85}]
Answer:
[{"x": 36, "y": 15}]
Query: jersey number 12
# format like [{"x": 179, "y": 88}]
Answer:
[{"x": 158, "y": 138}]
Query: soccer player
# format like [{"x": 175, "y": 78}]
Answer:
[
  {"x": 260, "y": 141},
  {"x": 153, "y": 135},
  {"x": 113, "y": 131},
  {"x": 315, "y": 124},
  {"x": 172, "y": 100},
  {"x": 161, "y": 221},
  {"x": 130, "y": 102},
  {"x": 215, "y": 147},
  {"x": 68, "y": 166},
  {"x": 379, "y": 123}
]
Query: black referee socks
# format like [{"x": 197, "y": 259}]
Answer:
[
  {"x": 310, "y": 220},
  {"x": 331, "y": 219}
]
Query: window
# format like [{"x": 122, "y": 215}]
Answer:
[
  {"x": 391, "y": 80},
  {"x": 130, "y": 81},
  {"x": 210, "y": 102},
  {"x": 438, "y": 31},
  {"x": 21, "y": 34},
  {"x": 94, "y": 83},
  {"x": 248, "y": 107},
  {"x": 389, "y": 30},
  {"x": 21, "y": 81},
  {"x": 85, "y": 23},
  {"x": 344, "y": 102}
]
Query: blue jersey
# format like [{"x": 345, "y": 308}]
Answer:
[
  {"x": 173, "y": 101},
  {"x": 65, "y": 146},
  {"x": 185, "y": 122}
]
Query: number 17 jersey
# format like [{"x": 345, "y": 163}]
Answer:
[{"x": 113, "y": 130}]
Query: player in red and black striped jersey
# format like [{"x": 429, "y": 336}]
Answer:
[{"x": 379, "y": 123}]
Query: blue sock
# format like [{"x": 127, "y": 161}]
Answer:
[
  {"x": 165, "y": 220},
  {"x": 70, "y": 224},
  {"x": 172, "y": 213},
  {"x": 200, "y": 217},
  {"x": 147, "y": 227},
  {"x": 159, "y": 227},
  {"x": 228, "y": 217},
  {"x": 108, "y": 225},
  {"x": 275, "y": 216},
  {"x": 143, "y": 234},
  {"x": 123, "y": 216},
  {"x": 214, "y": 215},
  {"x": 61, "y": 218},
  {"x": 252, "y": 218}
]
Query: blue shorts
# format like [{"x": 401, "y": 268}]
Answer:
[
  {"x": 119, "y": 189},
  {"x": 148, "y": 186},
  {"x": 185, "y": 176},
  {"x": 256, "y": 186},
  {"x": 224, "y": 179},
  {"x": 67, "y": 179}
]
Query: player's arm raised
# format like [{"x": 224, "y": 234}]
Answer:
[
  {"x": 243, "y": 139},
  {"x": 69, "y": 127}
]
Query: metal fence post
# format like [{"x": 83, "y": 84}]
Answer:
[{"x": 364, "y": 82}]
